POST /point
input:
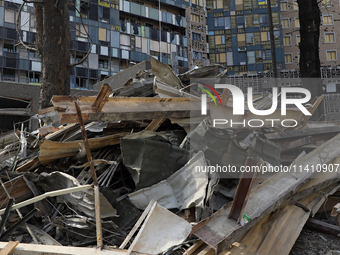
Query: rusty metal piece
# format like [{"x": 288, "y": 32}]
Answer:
[
  {"x": 102, "y": 97},
  {"x": 94, "y": 177},
  {"x": 243, "y": 190}
]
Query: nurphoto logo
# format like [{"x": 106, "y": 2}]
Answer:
[{"x": 239, "y": 103}]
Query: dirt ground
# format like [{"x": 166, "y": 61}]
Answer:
[{"x": 315, "y": 243}]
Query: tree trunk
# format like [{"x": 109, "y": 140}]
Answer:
[
  {"x": 53, "y": 44},
  {"x": 309, "y": 15}
]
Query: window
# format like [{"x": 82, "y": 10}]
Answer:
[
  {"x": 251, "y": 57},
  {"x": 295, "y": 5},
  {"x": 297, "y": 22},
  {"x": 264, "y": 36},
  {"x": 329, "y": 37},
  {"x": 102, "y": 34},
  {"x": 298, "y": 39},
  {"x": 328, "y": 19},
  {"x": 331, "y": 55},
  {"x": 256, "y": 20},
  {"x": 288, "y": 58},
  {"x": 298, "y": 55},
  {"x": 248, "y": 20},
  {"x": 284, "y": 6},
  {"x": 197, "y": 55},
  {"x": 219, "y": 39},
  {"x": 239, "y": 5},
  {"x": 250, "y": 38},
  {"x": 285, "y": 23},
  {"x": 241, "y": 40},
  {"x": 195, "y": 17},
  {"x": 286, "y": 41},
  {"x": 196, "y": 37},
  {"x": 81, "y": 30},
  {"x": 9, "y": 15},
  {"x": 221, "y": 58},
  {"x": 103, "y": 63},
  {"x": 326, "y": 3}
]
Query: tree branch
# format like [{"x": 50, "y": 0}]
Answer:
[{"x": 18, "y": 30}]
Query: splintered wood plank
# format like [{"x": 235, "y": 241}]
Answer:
[
  {"x": 9, "y": 248},
  {"x": 50, "y": 151},
  {"x": 102, "y": 97},
  {"x": 126, "y": 108},
  {"x": 277, "y": 232},
  {"x": 220, "y": 232},
  {"x": 38, "y": 249}
]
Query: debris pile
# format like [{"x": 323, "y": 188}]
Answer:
[{"x": 135, "y": 170}]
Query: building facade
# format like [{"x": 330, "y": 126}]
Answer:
[
  {"x": 122, "y": 32},
  {"x": 239, "y": 35},
  {"x": 329, "y": 35}
]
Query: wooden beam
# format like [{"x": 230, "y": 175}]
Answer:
[
  {"x": 126, "y": 108},
  {"x": 323, "y": 227},
  {"x": 242, "y": 192},
  {"x": 50, "y": 151},
  {"x": 38, "y": 249},
  {"x": 102, "y": 97},
  {"x": 9, "y": 248},
  {"x": 99, "y": 103},
  {"x": 277, "y": 232}
]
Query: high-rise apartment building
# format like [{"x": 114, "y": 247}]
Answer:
[
  {"x": 238, "y": 34},
  {"x": 329, "y": 34},
  {"x": 123, "y": 33}
]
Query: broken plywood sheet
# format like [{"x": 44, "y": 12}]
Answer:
[
  {"x": 50, "y": 151},
  {"x": 183, "y": 189},
  {"x": 277, "y": 232},
  {"x": 126, "y": 108},
  {"x": 220, "y": 232}
]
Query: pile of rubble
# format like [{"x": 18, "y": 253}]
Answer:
[{"x": 134, "y": 170}]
